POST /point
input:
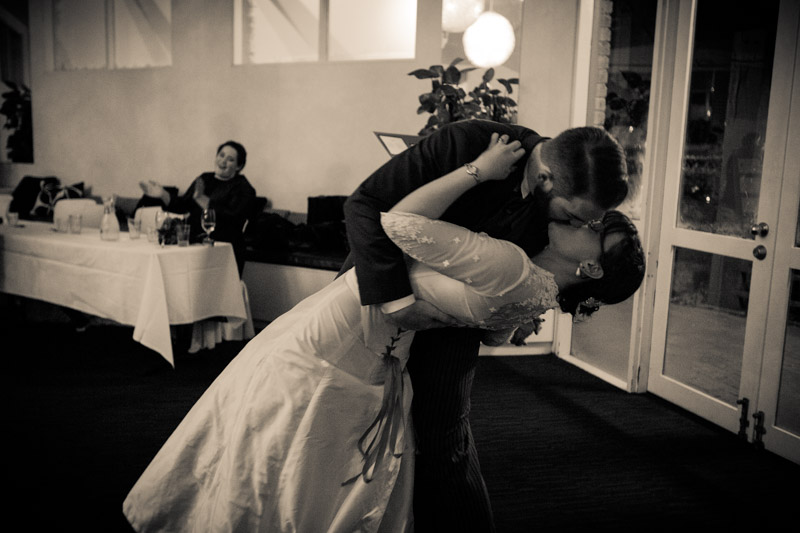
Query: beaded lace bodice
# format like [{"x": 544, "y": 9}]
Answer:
[{"x": 493, "y": 285}]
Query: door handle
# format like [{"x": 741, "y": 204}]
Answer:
[
  {"x": 759, "y": 252},
  {"x": 761, "y": 229}
]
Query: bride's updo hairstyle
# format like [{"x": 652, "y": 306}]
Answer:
[{"x": 623, "y": 270}]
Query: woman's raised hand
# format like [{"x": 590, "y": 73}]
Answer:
[
  {"x": 151, "y": 188},
  {"x": 499, "y": 158},
  {"x": 199, "y": 187}
]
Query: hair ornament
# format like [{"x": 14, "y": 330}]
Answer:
[{"x": 585, "y": 309}]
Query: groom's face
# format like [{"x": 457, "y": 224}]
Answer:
[
  {"x": 563, "y": 206},
  {"x": 576, "y": 211}
]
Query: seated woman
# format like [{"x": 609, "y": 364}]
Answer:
[
  {"x": 308, "y": 429},
  {"x": 224, "y": 190}
]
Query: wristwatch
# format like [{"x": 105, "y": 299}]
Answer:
[{"x": 472, "y": 170}]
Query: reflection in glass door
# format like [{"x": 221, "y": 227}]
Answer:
[
  {"x": 604, "y": 342},
  {"x": 724, "y": 170},
  {"x": 706, "y": 322},
  {"x": 788, "y": 409},
  {"x": 728, "y": 103}
]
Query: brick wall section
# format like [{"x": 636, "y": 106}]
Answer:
[{"x": 602, "y": 52}]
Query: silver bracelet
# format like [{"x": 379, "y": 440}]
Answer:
[{"x": 472, "y": 170}]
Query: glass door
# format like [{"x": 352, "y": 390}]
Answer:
[
  {"x": 726, "y": 163},
  {"x": 778, "y": 407}
]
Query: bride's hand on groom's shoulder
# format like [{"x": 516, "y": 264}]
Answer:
[
  {"x": 499, "y": 159},
  {"x": 421, "y": 315}
]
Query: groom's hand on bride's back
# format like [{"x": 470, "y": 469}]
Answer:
[{"x": 421, "y": 315}]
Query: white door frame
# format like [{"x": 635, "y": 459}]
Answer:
[{"x": 670, "y": 236}]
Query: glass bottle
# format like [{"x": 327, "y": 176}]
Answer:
[{"x": 109, "y": 225}]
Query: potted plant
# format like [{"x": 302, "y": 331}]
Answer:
[
  {"x": 448, "y": 102},
  {"x": 16, "y": 107}
]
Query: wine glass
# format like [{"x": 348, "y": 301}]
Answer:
[{"x": 208, "y": 221}]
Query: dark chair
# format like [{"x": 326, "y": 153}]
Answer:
[
  {"x": 325, "y": 209},
  {"x": 256, "y": 208}
]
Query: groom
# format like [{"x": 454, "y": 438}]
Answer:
[{"x": 574, "y": 177}]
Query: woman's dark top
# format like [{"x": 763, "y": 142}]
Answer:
[{"x": 231, "y": 200}]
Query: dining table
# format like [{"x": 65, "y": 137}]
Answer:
[{"x": 134, "y": 282}]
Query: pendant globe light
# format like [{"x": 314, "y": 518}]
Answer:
[
  {"x": 490, "y": 41},
  {"x": 458, "y": 15}
]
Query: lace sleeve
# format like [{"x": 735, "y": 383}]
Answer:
[{"x": 490, "y": 266}]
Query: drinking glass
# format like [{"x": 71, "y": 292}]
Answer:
[
  {"x": 13, "y": 219},
  {"x": 182, "y": 229},
  {"x": 134, "y": 227},
  {"x": 61, "y": 224},
  {"x": 208, "y": 222},
  {"x": 75, "y": 222}
]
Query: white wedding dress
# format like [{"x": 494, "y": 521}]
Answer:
[{"x": 275, "y": 444}]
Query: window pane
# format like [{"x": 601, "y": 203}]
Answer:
[
  {"x": 365, "y": 29},
  {"x": 788, "y": 415},
  {"x": 627, "y": 97},
  {"x": 79, "y": 34},
  {"x": 625, "y": 61},
  {"x": 277, "y": 31},
  {"x": 142, "y": 33},
  {"x": 706, "y": 322},
  {"x": 604, "y": 340},
  {"x": 797, "y": 231},
  {"x": 16, "y": 137},
  {"x": 112, "y": 34},
  {"x": 12, "y": 58},
  {"x": 727, "y": 117}
]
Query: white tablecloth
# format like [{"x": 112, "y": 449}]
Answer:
[{"x": 133, "y": 282}]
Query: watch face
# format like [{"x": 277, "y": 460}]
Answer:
[{"x": 472, "y": 170}]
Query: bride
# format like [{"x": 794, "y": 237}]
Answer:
[{"x": 308, "y": 429}]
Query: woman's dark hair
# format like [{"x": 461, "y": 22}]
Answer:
[
  {"x": 241, "y": 153},
  {"x": 623, "y": 269},
  {"x": 591, "y": 162}
]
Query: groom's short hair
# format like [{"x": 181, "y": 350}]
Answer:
[{"x": 591, "y": 163}]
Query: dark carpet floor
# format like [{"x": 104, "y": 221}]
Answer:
[{"x": 560, "y": 449}]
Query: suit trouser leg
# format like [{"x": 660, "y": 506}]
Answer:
[{"x": 449, "y": 490}]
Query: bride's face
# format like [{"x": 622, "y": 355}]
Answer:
[{"x": 576, "y": 244}]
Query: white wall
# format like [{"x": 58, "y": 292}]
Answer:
[
  {"x": 307, "y": 127},
  {"x": 547, "y": 64}
]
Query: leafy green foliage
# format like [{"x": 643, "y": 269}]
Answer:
[
  {"x": 16, "y": 107},
  {"x": 448, "y": 102},
  {"x": 627, "y": 104}
]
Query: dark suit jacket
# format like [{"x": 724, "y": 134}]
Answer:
[
  {"x": 231, "y": 201},
  {"x": 494, "y": 207}
]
